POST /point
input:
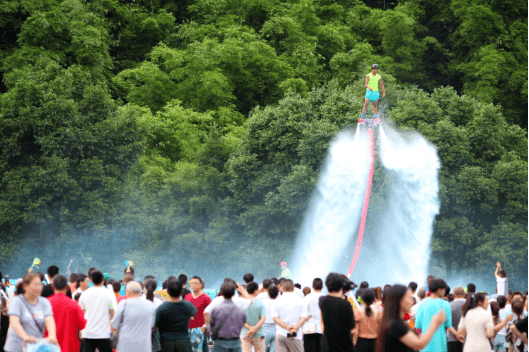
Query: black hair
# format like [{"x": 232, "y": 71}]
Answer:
[
  {"x": 228, "y": 289},
  {"x": 495, "y": 310},
  {"x": 129, "y": 270},
  {"x": 282, "y": 281},
  {"x": 274, "y": 281},
  {"x": 368, "y": 296},
  {"x": 374, "y": 66},
  {"x": 60, "y": 282},
  {"x": 385, "y": 290},
  {"x": 148, "y": 277},
  {"x": 473, "y": 301},
  {"x": 182, "y": 278},
  {"x": 348, "y": 285},
  {"x": 413, "y": 286},
  {"x": 116, "y": 286},
  {"x": 80, "y": 278},
  {"x": 252, "y": 287},
  {"x": 97, "y": 277},
  {"x": 517, "y": 307},
  {"x": 502, "y": 273},
  {"x": 392, "y": 298},
  {"x": 110, "y": 282},
  {"x": 447, "y": 291},
  {"x": 364, "y": 284},
  {"x": 437, "y": 284},
  {"x": 317, "y": 284},
  {"x": 174, "y": 288},
  {"x": 471, "y": 288},
  {"x": 248, "y": 278},
  {"x": 501, "y": 301},
  {"x": 77, "y": 296},
  {"x": 517, "y": 293},
  {"x": 273, "y": 291},
  {"x": 73, "y": 278},
  {"x": 41, "y": 275},
  {"x": 52, "y": 271},
  {"x": 298, "y": 285},
  {"x": 334, "y": 282},
  {"x": 90, "y": 271},
  {"x": 266, "y": 284},
  {"x": 199, "y": 279},
  {"x": 150, "y": 285}
]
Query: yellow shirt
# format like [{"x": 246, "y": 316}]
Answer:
[{"x": 373, "y": 81}]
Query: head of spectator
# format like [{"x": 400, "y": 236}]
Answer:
[
  {"x": 182, "y": 278},
  {"x": 317, "y": 284},
  {"x": 281, "y": 283},
  {"x": 132, "y": 290},
  {"x": 471, "y": 288},
  {"x": 60, "y": 284},
  {"x": 73, "y": 278},
  {"x": 116, "y": 286},
  {"x": 517, "y": 296},
  {"x": 248, "y": 278},
  {"x": 348, "y": 285},
  {"x": 273, "y": 292},
  {"x": 368, "y": 297},
  {"x": 90, "y": 271},
  {"x": 83, "y": 282},
  {"x": 30, "y": 287},
  {"x": 501, "y": 301},
  {"x": 97, "y": 278},
  {"x": 297, "y": 285},
  {"x": 174, "y": 289},
  {"x": 274, "y": 281},
  {"x": 364, "y": 284},
  {"x": 148, "y": 277},
  {"x": 306, "y": 290},
  {"x": 517, "y": 308},
  {"x": 227, "y": 289},
  {"x": 480, "y": 299},
  {"x": 378, "y": 294},
  {"x": 502, "y": 273},
  {"x": 495, "y": 310},
  {"x": 437, "y": 288},
  {"x": 459, "y": 292},
  {"x": 41, "y": 275},
  {"x": 197, "y": 285},
  {"x": 150, "y": 287},
  {"x": 413, "y": 287},
  {"x": 385, "y": 290},
  {"x": 266, "y": 284},
  {"x": 77, "y": 296},
  {"x": 128, "y": 270},
  {"x": 421, "y": 293},
  {"x": 127, "y": 278},
  {"x": 288, "y": 286},
  {"x": 428, "y": 279},
  {"x": 252, "y": 288},
  {"x": 334, "y": 283},
  {"x": 52, "y": 271}
]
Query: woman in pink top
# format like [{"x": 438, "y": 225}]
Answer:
[{"x": 368, "y": 321}]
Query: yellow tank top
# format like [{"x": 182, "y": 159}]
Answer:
[{"x": 373, "y": 81}]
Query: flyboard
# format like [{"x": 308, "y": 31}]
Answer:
[{"x": 371, "y": 124}]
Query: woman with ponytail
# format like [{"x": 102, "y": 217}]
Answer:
[
  {"x": 150, "y": 287},
  {"x": 476, "y": 323},
  {"x": 395, "y": 335},
  {"x": 368, "y": 321}
]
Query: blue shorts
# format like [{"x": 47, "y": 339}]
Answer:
[{"x": 371, "y": 95}]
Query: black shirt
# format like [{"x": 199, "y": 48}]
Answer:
[
  {"x": 397, "y": 329},
  {"x": 338, "y": 321},
  {"x": 522, "y": 325}
]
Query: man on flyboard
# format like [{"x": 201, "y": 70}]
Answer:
[{"x": 372, "y": 95}]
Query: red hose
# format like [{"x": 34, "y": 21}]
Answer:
[{"x": 366, "y": 204}]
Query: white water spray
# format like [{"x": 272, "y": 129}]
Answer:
[{"x": 332, "y": 217}]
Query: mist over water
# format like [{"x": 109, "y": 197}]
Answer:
[
  {"x": 396, "y": 243},
  {"x": 331, "y": 220}
]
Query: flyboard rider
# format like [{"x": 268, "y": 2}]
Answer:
[{"x": 372, "y": 93}]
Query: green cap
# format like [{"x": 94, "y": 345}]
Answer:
[{"x": 106, "y": 276}]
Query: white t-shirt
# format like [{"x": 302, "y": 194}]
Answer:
[
  {"x": 157, "y": 302},
  {"x": 263, "y": 295},
  {"x": 501, "y": 286},
  {"x": 312, "y": 302},
  {"x": 269, "y": 304},
  {"x": 289, "y": 308},
  {"x": 298, "y": 292},
  {"x": 96, "y": 303},
  {"x": 240, "y": 302}
]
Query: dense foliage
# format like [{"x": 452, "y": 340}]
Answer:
[{"x": 185, "y": 134}]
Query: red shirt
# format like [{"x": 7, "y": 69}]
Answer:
[
  {"x": 69, "y": 319},
  {"x": 201, "y": 302}
]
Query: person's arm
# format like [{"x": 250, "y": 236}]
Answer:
[
  {"x": 498, "y": 268},
  {"x": 383, "y": 90},
  {"x": 500, "y": 326},
  {"x": 415, "y": 342},
  {"x": 456, "y": 334},
  {"x": 244, "y": 294},
  {"x": 253, "y": 329},
  {"x": 518, "y": 333},
  {"x": 321, "y": 322},
  {"x": 49, "y": 322},
  {"x": 14, "y": 321},
  {"x": 281, "y": 323},
  {"x": 300, "y": 323},
  {"x": 111, "y": 312},
  {"x": 367, "y": 82}
]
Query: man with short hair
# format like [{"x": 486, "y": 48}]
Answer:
[
  {"x": 201, "y": 301},
  {"x": 471, "y": 289},
  {"x": 264, "y": 290},
  {"x": 312, "y": 328},
  {"x": 98, "y": 307},
  {"x": 51, "y": 272},
  {"x": 242, "y": 301},
  {"x": 269, "y": 326},
  {"x": 83, "y": 283},
  {"x": 428, "y": 309},
  {"x": 252, "y": 334},
  {"x": 227, "y": 321},
  {"x": 289, "y": 313},
  {"x": 456, "y": 306},
  {"x": 248, "y": 278},
  {"x": 68, "y": 316}
]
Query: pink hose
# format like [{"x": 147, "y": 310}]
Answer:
[{"x": 366, "y": 204}]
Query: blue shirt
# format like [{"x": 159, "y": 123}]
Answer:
[{"x": 426, "y": 311}]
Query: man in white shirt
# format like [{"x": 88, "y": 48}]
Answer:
[
  {"x": 96, "y": 302},
  {"x": 243, "y": 301},
  {"x": 289, "y": 313},
  {"x": 502, "y": 284},
  {"x": 312, "y": 328},
  {"x": 264, "y": 290}
]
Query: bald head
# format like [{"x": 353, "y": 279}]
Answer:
[
  {"x": 459, "y": 292},
  {"x": 133, "y": 289}
]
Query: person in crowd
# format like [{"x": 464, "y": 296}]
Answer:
[
  {"x": 456, "y": 307},
  {"x": 73, "y": 283},
  {"x": 286, "y": 271},
  {"x": 242, "y": 301},
  {"x": 182, "y": 278},
  {"x": 520, "y": 330},
  {"x": 47, "y": 290},
  {"x": 517, "y": 313},
  {"x": 289, "y": 314},
  {"x": 476, "y": 323},
  {"x": 471, "y": 289},
  {"x": 413, "y": 288},
  {"x": 248, "y": 278},
  {"x": 201, "y": 301},
  {"x": 264, "y": 290},
  {"x": 502, "y": 283},
  {"x": 306, "y": 291},
  {"x": 252, "y": 334},
  {"x": 421, "y": 295},
  {"x": 394, "y": 334},
  {"x": 68, "y": 316},
  {"x": 378, "y": 296},
  {"x": 499, "y": 340},
  {"x": 368, "y": 321},
  {"x": 337, "y": 318},
  {"x": 312, "y": 328},
  {"x": 29, "y": 315},
  {"x": 428, "y": 309},
  {"x": 227, "y": 320},
  {"x": 269, "y": 326},
  {"x": 150, "y": 287},
  {"x": 128, "y": 277},
  {"x": 172, "y": 320},
  {"x": 83, "y": 283},
  {"x": 134, "y": 320},
  {"x": 97, "y": 304},
  {"x": 517, "y": 296}
]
